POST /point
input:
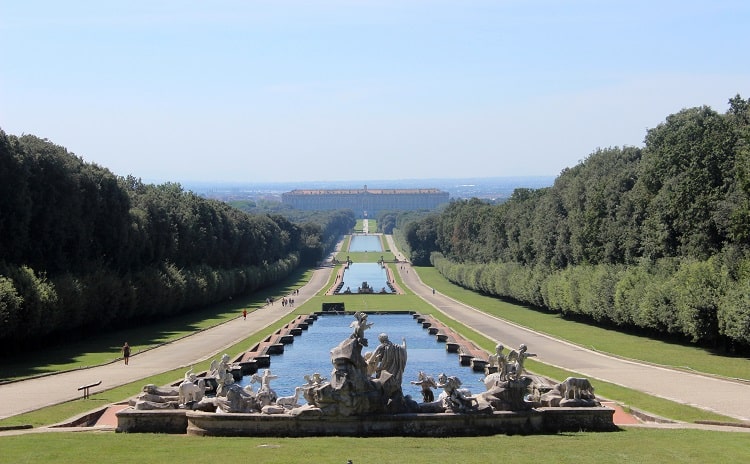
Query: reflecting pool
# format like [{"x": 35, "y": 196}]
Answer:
[
  {"x": 372, "y": 273},
  {"x": 365, "y": 243},
  {"x": 311, "y": 352}
]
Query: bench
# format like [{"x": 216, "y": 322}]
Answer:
[{"x": 86, "y": 388}]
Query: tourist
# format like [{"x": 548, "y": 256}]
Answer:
[{"x": 126, "y": 352}]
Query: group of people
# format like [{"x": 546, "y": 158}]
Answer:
[{"x": 286, "y": 301}]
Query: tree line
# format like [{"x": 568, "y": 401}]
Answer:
[
  {"x": 653, "y": 239},
  {"x": 84, "y": 250}
]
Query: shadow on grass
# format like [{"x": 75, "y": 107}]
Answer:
[{"x": 86, "y": 350}]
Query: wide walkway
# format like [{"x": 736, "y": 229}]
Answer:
[
  {"x": 29, "y": 395},
  {"x": 723, "y": 396}
]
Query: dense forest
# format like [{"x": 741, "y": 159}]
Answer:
[
  {"x": 83, "y": 250},
  {"x": 390, "y": 221},
  {"x": 326, "y": 225},
  {"x": 653, "y": 239}
]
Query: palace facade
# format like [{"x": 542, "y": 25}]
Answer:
[{"x": 366, "y": 202}]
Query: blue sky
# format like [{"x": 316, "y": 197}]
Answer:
[{"x": 267, "y": 91}]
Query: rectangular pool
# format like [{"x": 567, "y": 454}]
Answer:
[
  {"x": 364, "y": 243},
  {"x": 372, "y": 273},
  {"x": 311, "y": 352}
]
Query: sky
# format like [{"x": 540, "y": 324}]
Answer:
[{"x": 332, "y": 90}]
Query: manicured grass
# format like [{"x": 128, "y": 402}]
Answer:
[
  {"x": 359, "y": 227},
  {"x": 345, "y": 243},
  {"x": 365, "y": 256},
  {"x": 641, "y": 348},
  {"x": 633, "y": 445}
]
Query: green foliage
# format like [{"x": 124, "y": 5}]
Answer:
[
  {"x": 700, "y": 288},
  {"x": 11, "y": 304},
  {"x": 652, "y": 238},
  {"x": 83, "y": 250},
  {"x": 422, "y": 239},
  {"x": 733, "y": 312}
]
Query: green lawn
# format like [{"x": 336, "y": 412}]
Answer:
[
  {"x": 631, "y": 446},
  {"x": 364, "y": 256},
  {"x": 372, "y": 225}
]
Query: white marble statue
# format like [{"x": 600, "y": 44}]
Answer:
[
  {"x": 454, "y": 398},
  {"x": 389, "y": 357},
  {"x": 516, "y": 360},
  {"x": 427, "y": 383},
  {"x": 359, "y": 325},
  {"x": 290, "y": 402},
  {"x": 265, "y": 395},
  {"x": 191, "y": 392},
  {"x": 498, "y": 363}
]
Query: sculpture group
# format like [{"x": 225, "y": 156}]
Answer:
[{"x": 370, "y": 383}]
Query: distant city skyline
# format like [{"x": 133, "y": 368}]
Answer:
[{"x": 333, "y": 90}]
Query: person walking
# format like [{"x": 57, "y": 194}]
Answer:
[
  {"x": 244, "y": 314},
  {"x": 126, "y": 352}
]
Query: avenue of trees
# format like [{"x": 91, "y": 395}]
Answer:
[
  {"x": 391, "y": 221},
  {"x": 655, "y": 239},
  {"x": 83, "y": 250},
  {"x": 321, "y": 229}
]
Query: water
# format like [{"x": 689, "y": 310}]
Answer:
[
  {"x": 311, "y": 352},
  {"x": 372, "y": 273},
  {"x": 366, "y": 243}
]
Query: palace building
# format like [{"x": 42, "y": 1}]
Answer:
[{"x": 366, "y": 202}]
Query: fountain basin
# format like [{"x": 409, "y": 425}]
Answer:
[{"x": 540, "y": 420}]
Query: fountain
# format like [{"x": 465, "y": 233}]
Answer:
[{"x": 364, "y": 397}]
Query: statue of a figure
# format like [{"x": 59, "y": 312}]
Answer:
[
  {"x": 455, "y": 399},
  {"x": 192, "y": 391},
  {"x": 316, "y": 379},
  {"x": 219, "y": 369},
  {"x": 427, "y": 383},
  {"x": 266, "y": 380},
  {"x": 190, "y": 375},
  {"x": 499, "y": 362},
  {"x": 237, "y": 400},
  {"x": 516, "y": 360},
  {"x": 360, "y": 325},
  {"x": 265, "y": 395},
  {"x": 223, "y": 383},
  {"x": 389, "y": 358}
]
